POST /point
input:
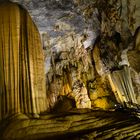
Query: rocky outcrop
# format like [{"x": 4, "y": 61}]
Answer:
[
  {"x": 68, "y": 37},
  {"x": 70, "y": 67},
  {"x": 87, "y": 59},
  {"x": 78, "y": 124},
  {"x": 134, "y": 59},
  {"x": 22, "y": 79}
]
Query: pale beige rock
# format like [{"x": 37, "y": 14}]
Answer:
[{"x": 123, "y": 83}]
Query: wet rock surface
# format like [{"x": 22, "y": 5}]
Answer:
[
  {"x": 77, "y": 124},
  {"x": 84, "y": 42},
  {"x": 86, "y": 46}
]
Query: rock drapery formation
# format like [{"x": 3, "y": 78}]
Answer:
[
  {"x": 80, "y": 57},
  {"x": 67, "y": 20},
  {"x": 124, "y": 90},
  {"x": 106, "y": 57},
  {"x": 22, "y": 80},
  {"x": 134, "y": 60},
  {"x": 87, "y": 59}
]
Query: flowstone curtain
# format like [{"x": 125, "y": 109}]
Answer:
[{"x": 22, "y": 79}]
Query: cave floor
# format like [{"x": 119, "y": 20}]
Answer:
[{"x": 74, "y": 125}]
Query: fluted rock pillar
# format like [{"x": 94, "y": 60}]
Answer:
[
  {"x": 121, "y": 84},
  {"x": 22, "y": 79}
]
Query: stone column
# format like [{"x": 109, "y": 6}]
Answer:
[{"x": 22, "y": 77}]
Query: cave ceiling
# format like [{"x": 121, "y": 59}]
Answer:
[{"x": 46, "y": 13}]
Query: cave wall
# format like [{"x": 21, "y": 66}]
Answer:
[
  {"x": 68, "y": 30},
  {"x": 87, "y": 65}
]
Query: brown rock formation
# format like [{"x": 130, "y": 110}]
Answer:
[
  {"x": 134, "y": 60},
  {"x": 75, "y": 125},
  {"x": 81, "y": 73},
  {"x": 70, "y": 70},
  {"x": 22, "y": 80}
]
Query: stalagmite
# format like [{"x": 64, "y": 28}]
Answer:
[{"x": 22, "y": 80}]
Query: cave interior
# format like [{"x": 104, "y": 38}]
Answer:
[{"x": 69, "y": 69}]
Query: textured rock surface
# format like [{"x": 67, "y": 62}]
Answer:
[
  {"x": 134, "y": 59},
  {"x": 78, "y": 124},
  {"x": 42, "y": 10},
  {"x": 68, "y": 34},
  {"x": 69, "y": 30},
  {"x": 79, "y": 70},
  {"x": 22, "y": 79}
]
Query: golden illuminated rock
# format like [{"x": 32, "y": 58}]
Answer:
[
  {"x": 118, "y": 73},
  {"x": 134, "y": 60},
  {"x": 70, "y": 69},
  {"x": 78, "y": 124},
  {"x": 137, "y": 39},
  {"x": 123, "y": 85},
  {"x": 104, "y": 103},
  {"x": 22, "y": 80},
  {"x": 101, "y": 94}
]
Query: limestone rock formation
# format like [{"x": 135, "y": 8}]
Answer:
[
  {"x": 78, "y": 124},
  {"x": 71, "y": 27},
  {"x": 70, "y": 68},
  {"x": 22, "y": 80},
  {"x": 91, "y": 63},
  {"x": 134, "y": 60},
  {"x": 92, "y": 54}
]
